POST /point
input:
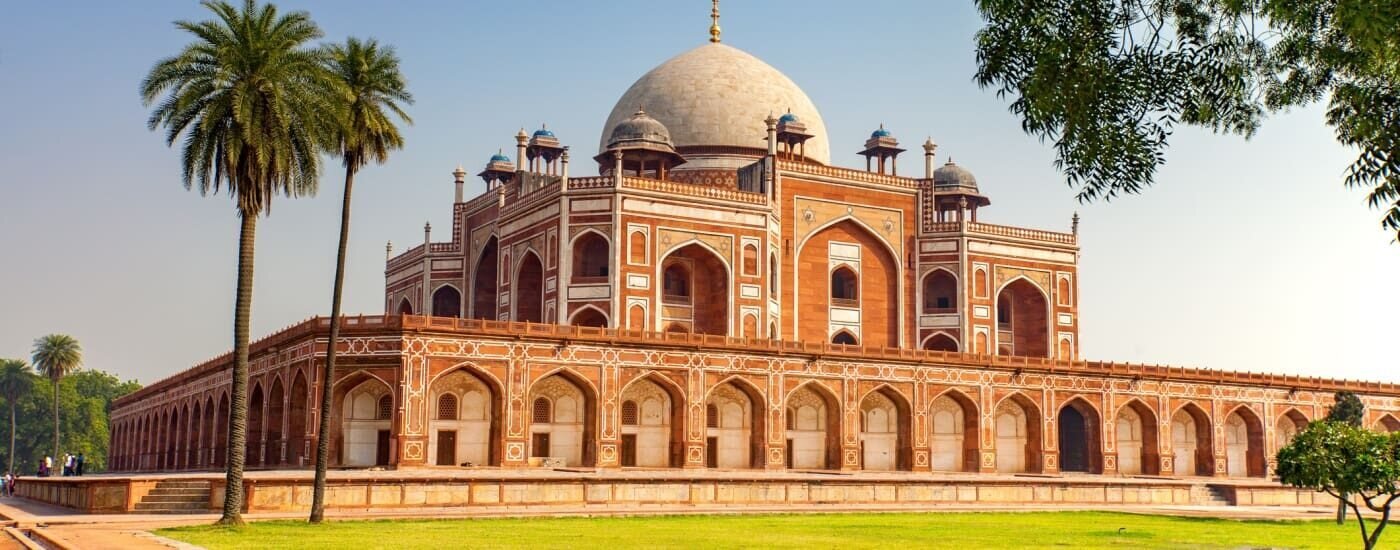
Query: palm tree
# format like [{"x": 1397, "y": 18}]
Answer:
[
  {"x": 255, "y": 107},
  {"x": 16, "y": 380},
  {"x": 56, "y": 356},
  {"x": 367, "y": 133}
]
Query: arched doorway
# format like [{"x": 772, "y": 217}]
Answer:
[
  {"x": 447, "y": 302},
  {"x": 405, "y": 308},
  {"x": 464, "y": 426},
  {"x": 652, "y": 425},
  {"x": 1288, "y": 427},
  {"x": 591, "y": 258},
  {"x": 1388, "y": 424},
  {"x": 813, "y": 428},
  {"x": 954, "y": 421},
  {"x": 940, "y": 290},
  {"x": 562, "y": 419},
  {"x": 1018, "y": 435},
  {"x": 367, "y": 411},
  {"x": 1192, "y": 450},
  {"x": 941, "y": 342},
  {"x": 695, "y": 290},
  {"x": 733, "y": 426},
  {"x": 296, "y": 421},
  {"x": 1080, "y": 450},
  {"x": 272, "y": 453},
  {"x": 221, "y": 449},
  {"x": 884, "y": 431},
  {"x": 831, "y": 260},
  {"x": 192, "y": 425},
  {"x": 484, "y": 290},
  {"x": 1244, "y": 444},
  {"x": 172, "y": 437},
  {"x": 529, "y": 289},
  {"x": 1136, "y": 432},
  {"x": 1023, "y": 326},
  {"x": 256, "y": 427}
]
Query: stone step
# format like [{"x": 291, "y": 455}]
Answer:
[
  {"x": 180, "y": 491},
  {"x": 182, "y": 484},
  {"x": 175, "y": 498},
  {"x": 170, "y": 507}
]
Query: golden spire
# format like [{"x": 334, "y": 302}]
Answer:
[{"x": 714, "y": 21}]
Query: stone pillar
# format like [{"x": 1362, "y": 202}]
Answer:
[
  {"x": 520, "y": 160},
  {"x": 919, "y": 429},
  {"x": 410, "y": 425},
  {"x": 986, "y": 407},
  {"x": 929, "y": 148},
  {"x": 694, "y": 456},
  {"x": 459, "y": 177},
  {"x": 850, "y": 424},
  {"x": 772, "y": 124},
  {"x": 515, "y": 432},
  {"x": 609, "y": 417}
]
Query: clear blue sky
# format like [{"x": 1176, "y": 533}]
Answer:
[{"x": 1245, "y": 256}]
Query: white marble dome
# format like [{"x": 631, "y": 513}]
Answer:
[{"x": 718, "y": 95}]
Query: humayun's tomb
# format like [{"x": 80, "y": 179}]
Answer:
[{"x": 724, "y": 316}]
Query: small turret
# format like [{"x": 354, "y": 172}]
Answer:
[{"x": 881, "y": 146}]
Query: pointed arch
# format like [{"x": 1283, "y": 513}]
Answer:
[
  {"x": 1244, "y": 443},
  {"x": 814, "y": 440},
  {"x": 591, "y": 255},
  {"x": 1080, "y": 428},
  {"x": 1388, "y": 423},
  {"x": 939, "y": 291},
  {"x": 571, "y": 432},
  {"x": 1193, "y": 441},
  {"x": 844, "y": 337},
  {"x": 485, "y": 280},
  {"x": 670, "y": 434},
  {"x": 272, "y": 453},
  {"x": 478, "y": 422},
  {"x": 1288, "y": 425},
  {"x": 735, "y": 424},
  {"x": 1023, "y": 318},
  {"x": 881, "y": 291},
  {"x": 1017, "y": 427},
  {"x": 1135, "y": 430},
  {"x": 355, "y": 421},
  {"x": 298, "y": 399},
  {"x": 941, "y": 341},
  {"x": 891, "y": 446},
  {"x": 589, "y": 316},
  {"x": 701, "y": 270},
  {"x": 221, "y": 418},
  {"x": 405, "y": 307},
  {"x": 956, "y": 435},
  {"x": 257, "y": 419},
  {"x": 527, "y": 287},
  {"x": 447, "y": 301},
  {"x": 192, "y": 433}
]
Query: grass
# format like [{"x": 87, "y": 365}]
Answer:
[{"x": 963, "y": 531}]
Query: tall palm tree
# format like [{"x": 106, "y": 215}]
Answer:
[
  {"x": 255, "y": 106},
  {"x": 56, "y": 356},
  {"x": 16, "y": 380},
  {"x": 367, "y": 133}
]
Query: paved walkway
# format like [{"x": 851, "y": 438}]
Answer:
[{"x": 132, "y": 531}]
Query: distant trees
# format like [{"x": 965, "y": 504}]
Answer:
[
  {"x": 85, "y": 397},
  {"x": 16, "y": 381}
]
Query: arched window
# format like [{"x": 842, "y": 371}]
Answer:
[
  {"x": 940, "y": 292},
  {"x": 711, "y": 416},
  {"x": 385, "y": 410},
  {"x": 773, "y": 274},
  {"x": 637, "y": 248},
  {"x": 447, "y": 302},
  {"x": 540, "y": 413},
  {"x": 590, "y": 257},
  {"x": 405, "y": 308},
  {"x": 447, "y": 407},
  {"x": 629, "y": 413},
  {"x": 843, "y": 286},
  {"x": 676, "y": 283},
  {"x": 750, "y": 260},
  {"x": 844, "y": 338}
]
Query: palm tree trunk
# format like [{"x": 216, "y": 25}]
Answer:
[
  {"x": 238, "y": 409},
  {"x": 11, "y": 467},
  {"x": 55, "y": 418},
  {"x": 323, "y": 448}
]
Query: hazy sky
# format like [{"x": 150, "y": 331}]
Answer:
[{"x": 1247, "y": 255}]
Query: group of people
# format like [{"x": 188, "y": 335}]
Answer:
[{"x": 72, "y": 465}]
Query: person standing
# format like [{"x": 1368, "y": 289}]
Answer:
[{"x": 81, "y": 461}]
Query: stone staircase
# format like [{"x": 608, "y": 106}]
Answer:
[
  {"x": 1210, "y": 495},
  {"x": 173, "y": 496}
]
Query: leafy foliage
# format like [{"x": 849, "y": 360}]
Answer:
[
  {"x": 1347, "y": 408},
  {"x": 16, "y": 381},
  {"x": 1109, "y": 80},
  {"x": 1342, "y": 459},
  {"x": 86, "y": 398},
  {"x": 57, "y": 355}
]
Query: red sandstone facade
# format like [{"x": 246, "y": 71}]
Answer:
[{"x": 725, "y": 300}]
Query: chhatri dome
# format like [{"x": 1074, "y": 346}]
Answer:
[{"x": 714, "y": 100}]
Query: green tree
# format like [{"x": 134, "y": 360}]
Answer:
[
  {"x": 256, "y": 107},
  {"x": 16, "y": 381},
  {"x": 1109, "y": 81},
  {"x": 86, "y": 398},
  {"x": 367, "y": 133},
  {"x": 1347, "y": 408},
  {"x": 1342, "y": 459},
  {"x": 56, "y": 356}
]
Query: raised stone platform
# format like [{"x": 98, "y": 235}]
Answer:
[{"x": 485, "y": 488}]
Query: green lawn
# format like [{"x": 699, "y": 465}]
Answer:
[{"x": 963, "y": 531}]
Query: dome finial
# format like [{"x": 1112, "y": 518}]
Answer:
[{"x": 714, "y": 21}]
